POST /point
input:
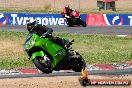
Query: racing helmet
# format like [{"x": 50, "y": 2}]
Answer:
[
  {"x": 31, "y": 23},
  {"x": 67, "y": 6}
]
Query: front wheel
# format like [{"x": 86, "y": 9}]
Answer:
[
  {"x": 42, "y": 65},
  {"x": 69, "y": 22}
]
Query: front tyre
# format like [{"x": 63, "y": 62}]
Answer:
[
  {"x": 42, "y": 65},
  {"x": 69, "y": 22}
]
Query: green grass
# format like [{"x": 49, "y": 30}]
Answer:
[
  {"x": 82, "y": 11},
  {"x": 94, "y": 48}
]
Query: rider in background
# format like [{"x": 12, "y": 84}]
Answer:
[{"x": 66, "y": 13}]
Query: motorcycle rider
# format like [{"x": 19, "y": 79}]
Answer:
[
  {"x": 43, "y": 31},
  {"x": 66, "y": 13}
]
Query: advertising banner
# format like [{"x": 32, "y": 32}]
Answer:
[
  {"x": 109, "y": 19},
  {"x": 56, "y": 19},
  {"x": 44, "y": 19}
]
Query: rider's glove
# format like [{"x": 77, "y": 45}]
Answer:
[{"x": 67, "y": 17}]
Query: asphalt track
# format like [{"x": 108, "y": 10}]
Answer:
[
  {"x": 110, "y": 30},
  {"x": 105, "y": 30}
]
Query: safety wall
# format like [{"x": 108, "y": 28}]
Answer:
[{"x": 56, "y": 19}]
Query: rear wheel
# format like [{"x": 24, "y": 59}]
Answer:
[
  {"x": 42, "y": 65},
  {"x": 83, "y": 23},
  {"x": 78, "y": 62}
]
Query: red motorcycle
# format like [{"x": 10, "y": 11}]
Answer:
[{"x": 74, "y": 19}]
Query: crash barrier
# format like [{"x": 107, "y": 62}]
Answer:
[{"x": 16, "y": 19}]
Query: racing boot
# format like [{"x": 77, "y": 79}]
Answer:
[{"x": 69, "y": 50}]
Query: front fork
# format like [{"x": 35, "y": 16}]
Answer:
[{"x": 37, "y": 54}]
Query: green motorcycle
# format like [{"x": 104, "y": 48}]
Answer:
[{"x": 48, "y": 56}]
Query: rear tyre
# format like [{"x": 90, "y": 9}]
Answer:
[
  {"x": 78, "y": 63},
  {"x": 41, "y": 65},
  {"x": 83, "y": 23}
]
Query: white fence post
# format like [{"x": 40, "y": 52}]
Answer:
[
  {"x": 54, "y": 3},
  {"x": 79, "y": 4}
]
